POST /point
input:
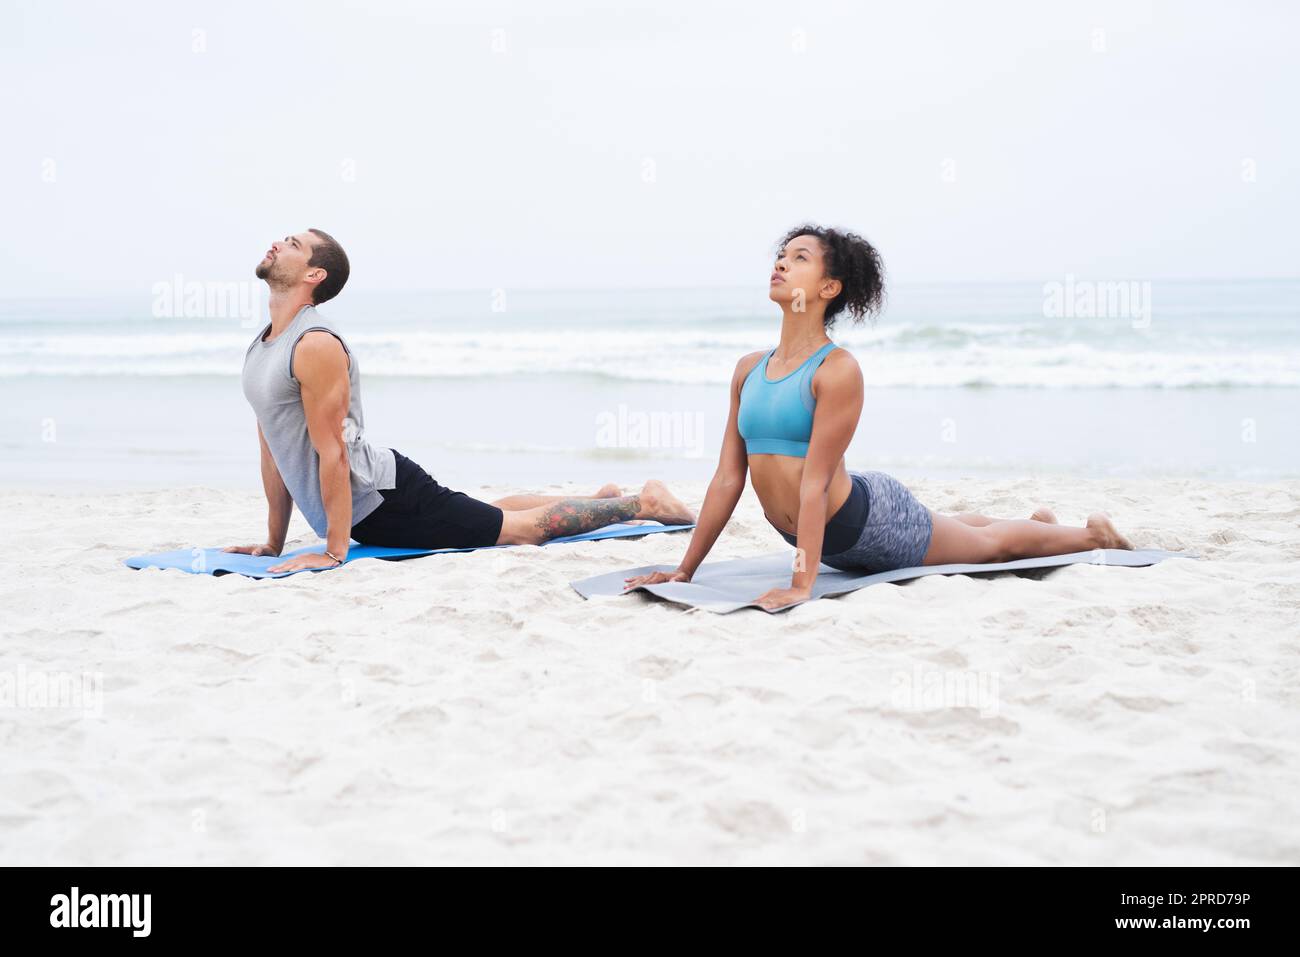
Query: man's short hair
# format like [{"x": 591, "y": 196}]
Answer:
[{"x": 328, "y": 255}]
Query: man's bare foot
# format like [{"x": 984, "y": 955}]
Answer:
[
  {"x": 1044, "y": 514},
  {"x": 1107, "y": 535},
  {"x": 608, "y": 491},
  {"x": 663, "y": 506}
]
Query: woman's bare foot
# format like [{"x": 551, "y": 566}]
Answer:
[
  {"x": 663, "y": 506},
  {"x": 1044, "y": 514},
  {"x": 608, "y": 491},
  {"x": 1105, "y": 532}
]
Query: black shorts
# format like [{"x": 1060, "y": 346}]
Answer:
[
  {"x": 420, "y": 513},
  {"x": 844, "y": 528}
]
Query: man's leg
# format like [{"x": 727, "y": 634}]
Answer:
[
  {"x": 573, "y": 516},
  {"x": 517, "y": 503}
]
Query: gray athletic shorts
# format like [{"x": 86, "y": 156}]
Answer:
[{"x": 896, "y": 533}]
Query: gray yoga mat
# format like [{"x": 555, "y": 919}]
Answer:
[{"x": 727, "y": 586}]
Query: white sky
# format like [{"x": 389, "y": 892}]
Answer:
[{"x": 525, "y": 168}]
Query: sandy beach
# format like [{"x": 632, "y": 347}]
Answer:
[{"x": 474, "y": 709}]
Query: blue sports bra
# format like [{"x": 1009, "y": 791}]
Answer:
[{"x": 776, "y": 418}]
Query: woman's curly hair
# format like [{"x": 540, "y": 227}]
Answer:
[{"x": 855, "y": 263}]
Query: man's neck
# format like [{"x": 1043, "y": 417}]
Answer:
[{"x": 285, "y": 305}]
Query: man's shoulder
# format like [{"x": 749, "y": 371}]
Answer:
[
  {"x": 318, "y": 345},
  {"x": 316, "y": 327},
  {"x": 319, "y": 352},
  {"x": 310, "y": 316}
]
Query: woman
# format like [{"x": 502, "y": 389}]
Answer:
[{"x": 794, "y": 410}]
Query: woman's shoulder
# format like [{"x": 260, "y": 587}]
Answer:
[
  {"x": 839, "y": 367},
  {"x": 747, "y": 362}
]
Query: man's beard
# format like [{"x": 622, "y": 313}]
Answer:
[{"x": 273, "y": 277}]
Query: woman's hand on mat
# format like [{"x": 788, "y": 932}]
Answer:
[
  {"x": 656, "y": 578},
  {"x": 253, "y": 550},
  {"x": 310, "y": 560},
  {"x": 780, "y": 597}
]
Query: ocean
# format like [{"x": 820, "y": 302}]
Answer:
[{"x": 528, "y": 388}]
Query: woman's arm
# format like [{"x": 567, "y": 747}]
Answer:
[
  {"x": 837, "y": 387},
  {"x": 724, "y": 491}
]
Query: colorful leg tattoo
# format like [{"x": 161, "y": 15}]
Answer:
[{"x": 573, "y": 516}]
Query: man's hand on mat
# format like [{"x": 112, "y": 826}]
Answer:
[
  {"x": 253, "y": 550},
  {"x": 655, "y": 578},
  {"x": 780, "y": 597},
  {"x": 310, "y": 560}
]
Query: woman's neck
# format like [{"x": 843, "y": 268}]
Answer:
[{"x": 800, "y": 332}]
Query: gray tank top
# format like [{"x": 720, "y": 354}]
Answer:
[{"x": 276, "y": 398}]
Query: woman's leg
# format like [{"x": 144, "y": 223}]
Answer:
[
  {"x": 572, "y": 516},
  {"x": 1041, "y": 514},
  {"x": 956, "y": 542},
  {"x": 517, "y": 503}
]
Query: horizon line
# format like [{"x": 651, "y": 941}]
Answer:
[{"x": 7, "y": 297}]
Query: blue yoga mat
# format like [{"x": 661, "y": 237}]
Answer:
[{"x": 214, "y": 561}]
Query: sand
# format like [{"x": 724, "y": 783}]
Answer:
[{"x": 474, "y": 709}]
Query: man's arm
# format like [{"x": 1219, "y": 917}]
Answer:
[
  {"x": 279, "y": 501},
  {"x": 279, "y": 506},
  {"x": 320, "y": 365}
]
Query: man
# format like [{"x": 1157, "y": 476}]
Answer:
[{"x": 304, "y": 385}]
